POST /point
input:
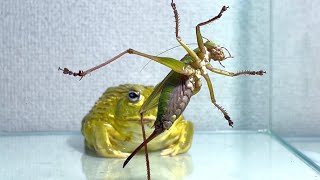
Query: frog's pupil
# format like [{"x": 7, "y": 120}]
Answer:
[{"x": 133, "y": 95}]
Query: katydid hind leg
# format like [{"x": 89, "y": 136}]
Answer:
[
  {"x": 172, "y": 63},
  {"x": 155, "y": 133},
  {"x": 83, "y": 73},
  {"x": 145, "y": 147}
]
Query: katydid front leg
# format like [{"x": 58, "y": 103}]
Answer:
[
  {"x": 198, "y": 33},
  {"x": 184, "y": 45}
]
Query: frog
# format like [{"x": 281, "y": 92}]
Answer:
[{"x": 112, "y": 128}]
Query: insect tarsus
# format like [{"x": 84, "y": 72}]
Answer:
[
  {"x": 261, "y": 72},
  {"x": 67, "y": 71}
]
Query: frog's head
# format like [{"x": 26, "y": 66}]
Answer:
[{"x": 127, "y": 101}]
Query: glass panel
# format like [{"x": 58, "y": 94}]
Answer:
[
  {"x": 40, "y": 37},
  {"x": 295, "y": 83},
  {"x": 276, "y": 116}
]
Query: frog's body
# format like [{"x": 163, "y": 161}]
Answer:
[{"x": 112, "y": 128}]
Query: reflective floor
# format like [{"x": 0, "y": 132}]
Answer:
[
  {"x": 243, "y": 155},
  {"x": 308, "y": 147}
]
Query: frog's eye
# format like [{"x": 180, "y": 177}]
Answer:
[{"x": 133, "y": 96}]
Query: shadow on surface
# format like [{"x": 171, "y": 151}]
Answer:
[{"x": 77, "y": 143}]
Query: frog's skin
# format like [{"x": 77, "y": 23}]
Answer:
[{"x": 112, "y": 128}]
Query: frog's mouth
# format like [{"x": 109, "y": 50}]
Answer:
[{"x": 145, "y": 120}]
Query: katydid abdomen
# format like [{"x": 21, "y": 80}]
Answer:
[{"x": 174, "y": 98}]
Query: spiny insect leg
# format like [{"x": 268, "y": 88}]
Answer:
[
  {"x": 145, "y": 146},
  {"x": 213, "y": 100},
  {"x": 230, "y": 122},
  {"x": 176, "y": 16},
  {"x": 223, "y": 9},
  {"x": 226, "y": 73},
  {"x": 173, "y": 64},
  {"x": 185, "y": 46},
  {"x": 261, "y": 72},
  {"x": 198, "y": 33}
]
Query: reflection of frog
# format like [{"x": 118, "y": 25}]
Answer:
[
  {"x": 169, "y": 168},
  {"x": 112, "y": 128}
]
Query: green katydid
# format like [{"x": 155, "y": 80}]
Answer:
[{"x": 173, "y": 93}]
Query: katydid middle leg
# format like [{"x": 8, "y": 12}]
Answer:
[
  {"x": 213, "y": 100},
  {"x": 226, "y": 73}
]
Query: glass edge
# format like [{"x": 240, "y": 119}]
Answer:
[
  {"x": 39, "y": 133},
  {"x": 232, "y": 131},
  {"x": 270, "y": 65},
  {"x": 295, "y": 151}
]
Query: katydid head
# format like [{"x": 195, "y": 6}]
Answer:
[{"x": 216, "y": 52}]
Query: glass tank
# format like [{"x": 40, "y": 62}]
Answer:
[{"x": 275, "y": 134}]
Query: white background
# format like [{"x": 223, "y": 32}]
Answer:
[{"x": 39, "y": 36}]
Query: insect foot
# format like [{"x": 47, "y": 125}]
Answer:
[
  {"x": 229, "y": 120},
  {"x": 67, "y": 71},
  {"x": 224, "y": 8},
  {"x": 261, "y": 72}
]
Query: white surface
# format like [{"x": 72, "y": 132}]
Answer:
[
  {"x": 309, "y": 146},
  {"x": 314, "y": 156},
  {"x": 229, "y": 156},
  {"x": 39, "y": 36}
]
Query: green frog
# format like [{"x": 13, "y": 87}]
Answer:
[{"x": 112, "y": 128}]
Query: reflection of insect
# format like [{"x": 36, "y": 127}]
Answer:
[{"x": 174, "y": 92}]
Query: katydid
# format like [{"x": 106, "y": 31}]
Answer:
[{"x": 174, "y": 92}]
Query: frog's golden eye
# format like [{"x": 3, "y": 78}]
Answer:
[{"x": 133, "y": 96}]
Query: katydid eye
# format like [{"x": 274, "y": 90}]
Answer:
[{"x": 134, "y": 96}]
